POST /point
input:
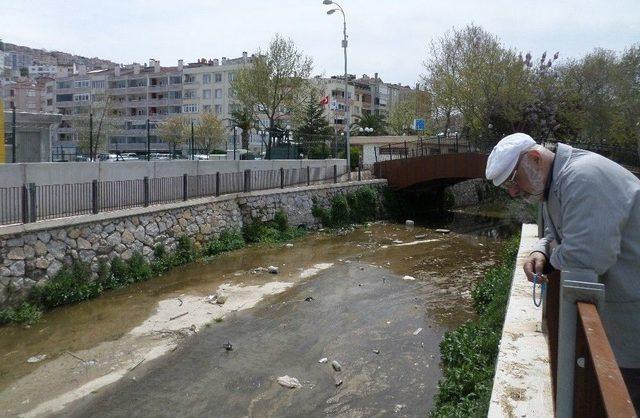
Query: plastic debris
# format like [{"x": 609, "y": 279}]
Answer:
[
  {"x": 289, "y": 382},
  {"x": 443, "y": 231},
  {"x": 37, "y": 358},
  {"x": 273, "y": 269},
  {"x": 227, "y": 346},
  {"x": 408, "y": 278},
  {"x": 409, "y": 223},
  {"x": 323, "y": 360},
  {"x": 336, "y": 366},
  {"x": 416, "y": 332}
]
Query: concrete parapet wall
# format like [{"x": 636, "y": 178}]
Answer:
[
  {"x": 33, "y": 253},
  {"x": 15, "y": 175},
  {"x": 522, "y": 384}
]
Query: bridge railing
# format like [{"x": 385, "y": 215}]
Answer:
[
  {"x": 423, "y": 147},
  {"x": 33, "y": 202}
]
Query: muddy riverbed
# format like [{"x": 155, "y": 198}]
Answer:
[{"x": 95, "y": 349}]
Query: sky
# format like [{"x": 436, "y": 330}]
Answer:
[{"x": 390, "y": 37}]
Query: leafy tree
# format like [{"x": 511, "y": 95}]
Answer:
[
  {"x": 98, "y": 131},
  {"x": 370, "y": 120},
  {"x": 414, "y": 105},
  {"x": 243, "y": 118},
  {"x": 24, "y": 72},
  {"x": 173, "y": 131},
  {"x": 313, "y": 128},
  {"x": 275, "y": 82},
  {"x": 209, "y": 133}
]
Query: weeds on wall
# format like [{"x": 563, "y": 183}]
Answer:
[
  {"x": 356, "y": 207},
  {"x": 71, "y": 285},
  {"x": 469, "y": 353}
]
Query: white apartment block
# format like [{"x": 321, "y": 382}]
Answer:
[{"x": 36, "y": 71}]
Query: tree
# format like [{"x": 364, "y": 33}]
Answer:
[
  {"x": 313, "y": 128},
  {"x": 370, "y": 120},
  {"x": 414, "y": 105},
  {"x": 94, "y": 127},
  {"x": 24, "y": 72},
  {"x": 243, "y": 118},
  {"x": 276, "y": 81},
  {"x": 173, "y": 131},
  {"x": 209, "y": 133}
]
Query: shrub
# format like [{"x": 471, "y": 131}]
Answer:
[
  {"x": 281, "y": 220},
  {"x": 359, "y": 206},
  {"x": 69, "y": 285},
  {"x": 185, "y": 252},
  {"x": 229, "y": 240},
  {"x": 26, "y": 313},
  {"x": 138, "y": 269},
  {"x": 340, "y": 213},
  {"x": 469, "y": 352}
]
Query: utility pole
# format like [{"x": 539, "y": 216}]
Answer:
[
  {"x": 90, "y": 136},
  {"x": 148, "y": 142},
  {"x": 13, "y": 132},
  {"x": 191, "y": 143}
]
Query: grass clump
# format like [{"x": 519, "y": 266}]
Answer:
[
  {"x": 227, "y": 241},
  {"x": 355, "y": 207},
  {"x": 469, "y": 352},
  {"x": 272, "y": 232},
  {"x": 26, "y": 313},
  {"x": 69, "y": 285}
]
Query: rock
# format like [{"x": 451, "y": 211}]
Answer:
[
  {"x": 54, "y": 268},
  {"x": 376, "y": 351},
  {"x": 416, "y": 332},
  {"x": 74, "y": 233},
  {"x": 114, "y": 239},
  {"x": 289, "y": 245},
  {"x": 45, "y": 237},
  {"x": 109, "y": 228},
  {"x": 336, "y": 366},
  {"x": 17, "y": 269},
  {"x": 409, "y": 223},
  {"x": 127, "y": 237},
  {"x": 56, "y": 248},
  {"x": 221, "y": 298},
  {"x": 127, "y": 254},
  {"x": 272, "y": 269},
  {"x": 87, "y": 255},
  {"x": 40, "y": 248},
  {"x": 323, "y": 360},
  {"x": 398, "y": 408},
  {"x": 37, "y": 358},
  {"x": 420, "y": 236},
  {"x": 16, "y": 253},
  {"x": 408, "y": 278},
  {"x": 29, "y": 252},
  {"x": 443, "y": 231},
  {"x": 83, "y": 244},
  {"x": 152, "y": 229},
  {"x": 42, "y": 263},
  {"x": 289, "y": 382},
  {"x": 338, "y": 381},
  {"x": 16, "y": 242}
]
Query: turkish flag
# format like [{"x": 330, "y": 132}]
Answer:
[{"x": 324, "y": 101}]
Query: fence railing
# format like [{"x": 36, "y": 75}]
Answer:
[
  {"x": 33, "y": 202},
  {"x": 586, "y": 378},
  {"x": 422, "y": 147}
]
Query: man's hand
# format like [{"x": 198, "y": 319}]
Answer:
[{"x": 534, "y": 263}]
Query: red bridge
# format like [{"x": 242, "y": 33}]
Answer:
[{"x": 417, "y": 166}]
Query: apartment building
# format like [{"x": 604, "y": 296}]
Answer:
[
  {"x": 37, "y": 71},
  {"x": 26, "y": 95},
  {"x": 129, "y": 96},
  {"x": 207, "y": 85},
  {"x": 335, "y": 110}
]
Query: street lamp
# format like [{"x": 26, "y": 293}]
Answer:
[
  {"x": 346, "y": 93},
  {"x": 262, "y": 134}
]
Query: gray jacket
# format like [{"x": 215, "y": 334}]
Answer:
[{"x": 593, "y": 213}]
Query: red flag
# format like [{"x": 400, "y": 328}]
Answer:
[{"x": 324, "y": 101}]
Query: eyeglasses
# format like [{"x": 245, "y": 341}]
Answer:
[{"x": 511, "y": 181}]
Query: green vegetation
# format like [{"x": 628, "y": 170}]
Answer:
[
  {"x": 72, "y": 284},
  {"x": 356, "y": 207},
  {"x": 272, "y": 232},
  {"x": 469, "y": 352}
]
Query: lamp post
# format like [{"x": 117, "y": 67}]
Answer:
[
  {"x": 287, "y": 132},
  {"x": 262, "y": 134},
  {"x": 346, "y": 92}
]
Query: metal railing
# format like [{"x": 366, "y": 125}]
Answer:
[
  {"x": 33, "y": 202},
  {"x": 423, "y": 147},
  {"x": 587, "y": 381}
]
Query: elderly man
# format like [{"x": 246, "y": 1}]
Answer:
[{"x": 592, "y": 212}]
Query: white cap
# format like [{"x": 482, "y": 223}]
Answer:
[{"x": 505, "y": 155}]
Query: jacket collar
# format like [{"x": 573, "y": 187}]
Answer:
[{"x": 563, "y": 154}]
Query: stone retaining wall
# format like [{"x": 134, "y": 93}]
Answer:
[
  {"x": 469, "y": 192},
  {"x": 33, "y": 253}
]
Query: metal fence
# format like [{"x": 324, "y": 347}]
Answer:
[{"x": 33, "y": 202}]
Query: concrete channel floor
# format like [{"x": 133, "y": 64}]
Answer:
[{"x": 356, "y": 309}]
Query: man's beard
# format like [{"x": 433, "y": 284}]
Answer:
[{"x": 536, "y": 182}]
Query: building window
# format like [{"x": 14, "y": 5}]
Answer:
[
  {"x": 189, "y": 78},
  {"x": 81, "y": 84},
  {"x": 206, "y": 78},
  {"x": 218, "y": 94},
  {"x": 218, "y": 109},
  {"x": 64, "y": 98},
  {"x": 206, "y": 94},
  {"x": 189, "y": 94},
  {"x": 31, "y": 93},
  {"x": 206, "y": 108},
  {"x": 82, "y": 97},
  {"x": 231, "y": 93},
  {"x": 63, "y": 84},
  {"x": 175, "y": 79},
  {"x": 97, "y": 84},
  {"x": 118, "y": 84},
  {"x": 232, "y": 76},
  {"x": 190, "y": 108},
  {"x": 218, "y": 77}
]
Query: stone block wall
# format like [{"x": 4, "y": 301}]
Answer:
[
  {"x": 469, "y": 192},
  {"x": 31, "y": 254}
]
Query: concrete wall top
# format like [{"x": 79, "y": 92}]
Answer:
[
  {"x": 15, "y": 175},
  {"x": 523, "y": 365}
]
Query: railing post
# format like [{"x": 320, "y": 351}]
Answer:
[
  {"x": 145, "y": 190},
  {"x": 308, "y": 176},
  {"x": 247, "y": 181},
  {"x": 390, "y": 154},
  {"x": 282, "y": 177},
  {"x": 335, "y": 172},
  {"x": 575, "y": 285},
  {"x": 359, "y": 172},
  {"x": 406, "y": 151},
  {"x": 25, "y": 204},
  {"x": 185, "y": 185},
  {"x": 94, "y": 197},
  {"x": 32, "y": 202},
  {"x": 217, "y": 183},
  {"x": 375, "y": 153}
]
